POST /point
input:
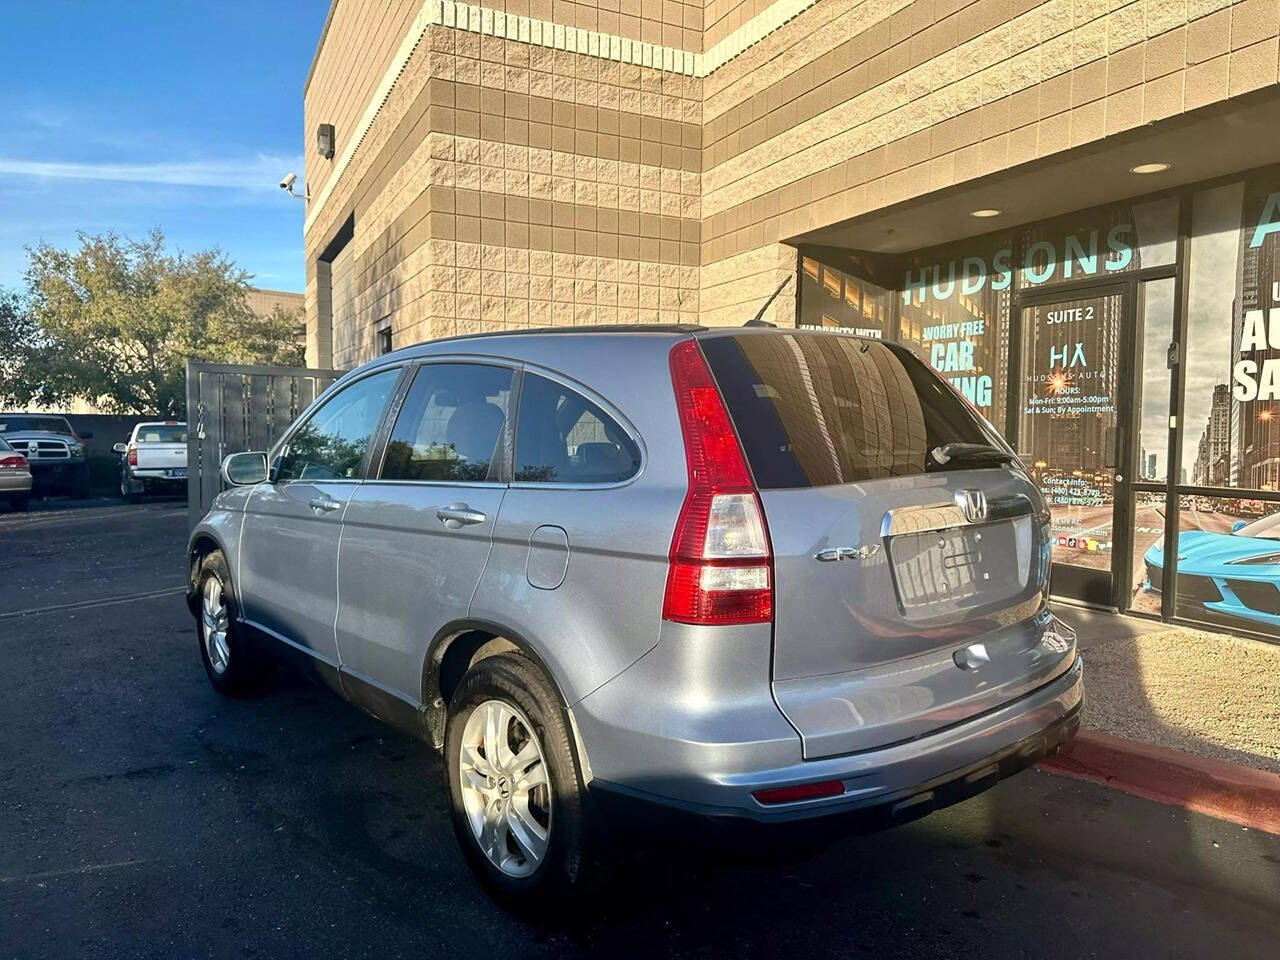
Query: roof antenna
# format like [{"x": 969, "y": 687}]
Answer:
[{"x": 756, "y": 321}]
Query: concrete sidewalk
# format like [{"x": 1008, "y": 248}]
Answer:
[
  {"x": 1182, "y": 716},
  {"x": 1208, "y": 694}
]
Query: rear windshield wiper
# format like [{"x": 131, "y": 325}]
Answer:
[{"x": 956, "y": 450}]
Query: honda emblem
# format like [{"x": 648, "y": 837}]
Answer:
[{"x": 973, "y": 503}]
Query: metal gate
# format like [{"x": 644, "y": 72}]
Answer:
[{"x": 232, "y": 408}]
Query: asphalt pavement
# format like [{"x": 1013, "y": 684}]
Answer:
[{"x": 145, "y": 815}]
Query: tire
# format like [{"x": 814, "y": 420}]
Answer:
[
  {"x": 559, "y": 803},
  {"x": 20, "y": 502},
  {"x": 127, "y": 492},
  {"x": 234, "y": 667}
]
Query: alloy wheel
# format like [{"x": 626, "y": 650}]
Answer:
[
  {"x": 505, "y": 787},
  {"x": 214, "y": 621}
]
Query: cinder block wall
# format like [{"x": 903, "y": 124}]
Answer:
[{"x": 517, "y": 177}]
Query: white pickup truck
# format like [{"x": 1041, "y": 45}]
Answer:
[{"x": 155, "y": 458}]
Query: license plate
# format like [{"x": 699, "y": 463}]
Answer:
[{"x": 179, "y": 474}]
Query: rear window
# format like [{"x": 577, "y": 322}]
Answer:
[
  {"x": 162, "y": 433},
  {"x": 35, "y": 425},
  {"x": 819, "y": 409}
]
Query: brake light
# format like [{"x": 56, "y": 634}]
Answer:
[
  {"x": 13, "y": 461},
  {"x": 720, "y": 567},
  {"x": 133, "y": 456}
]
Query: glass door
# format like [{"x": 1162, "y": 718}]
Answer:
[{"x": 1072, "y": 422}]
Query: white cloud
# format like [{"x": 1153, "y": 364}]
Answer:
[{"x": 254, "y": 173}]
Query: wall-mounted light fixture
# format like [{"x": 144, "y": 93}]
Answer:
[{"x": 325, "y": 140}]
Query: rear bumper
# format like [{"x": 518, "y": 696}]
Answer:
[
  {"x": 12, "y": 482},
  {"x": 897, "y": 782},
  {"x": 155, "y": 474}
]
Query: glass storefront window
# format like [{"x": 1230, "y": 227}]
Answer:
[
  {"x": 1232, "y": 396},
  {"x": 834, "y": 299},
  {"x": 954, "y": 312},
  {"x": 1152, "y": 390},
  {"x": 1148, "y": 538},
  {"x": 1100, "y": 243},
  {"x": 1228, "y": 563},
  {"x": 1067, "y": 420}
]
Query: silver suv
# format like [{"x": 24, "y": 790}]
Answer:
[{"x": 745, "y": 573}]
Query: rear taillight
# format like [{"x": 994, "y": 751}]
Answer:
[
  {"x": 133, "y": 456},
  {"x": 721, "y": 568},
  {"x": 13, "y": 461}
]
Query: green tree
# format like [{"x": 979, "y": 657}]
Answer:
[{"x": 115, "y": 321}]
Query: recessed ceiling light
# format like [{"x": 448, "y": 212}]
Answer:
[
  {"x": 984, "y": 213},
  {"x": 1150, "y": 168}
]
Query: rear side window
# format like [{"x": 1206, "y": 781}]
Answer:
[
  {"x": 562, "y": 437},
  {"x": 450, "y": 426},
  {"x": 820, "y": 409}
]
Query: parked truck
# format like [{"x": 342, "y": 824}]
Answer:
[{"x": 153, "y": 459}]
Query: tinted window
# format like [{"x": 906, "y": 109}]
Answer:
[
  {"x": 820, "y": 409},
  {"x": 331, "y": 445},
  {"x": 161, "y": 433},
  {"x": 4, "y": 445},
  {"x": 562, "y": 437},
  {"x": 450, "y": 426}
]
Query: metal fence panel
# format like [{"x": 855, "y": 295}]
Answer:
[{"x": 232, "y": 408}]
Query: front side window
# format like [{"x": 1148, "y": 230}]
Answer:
[
  {"x": 450, "y": 427},
  {"x": 332, "y": 443},
  {"x": 562, "y": 437}
]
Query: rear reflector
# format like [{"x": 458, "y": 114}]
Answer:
[
  {"x": 721, "y": 568},
  {"x": 803, "y": 791}
]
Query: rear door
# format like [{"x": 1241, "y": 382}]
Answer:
[
  {"x": 889, "y": 563},
  {"x": 289, "y": 549},
  {"x": 415, "y": 537}
]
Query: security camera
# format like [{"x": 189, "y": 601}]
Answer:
[{"x": 287, "y": 183}]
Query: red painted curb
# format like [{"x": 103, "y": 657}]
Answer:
[{"x": 1241, "y": 795}]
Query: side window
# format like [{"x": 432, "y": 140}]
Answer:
[
  {"x": 450, "y": 425},
  {"x": 332, "y": 443},
  {"x": 562, "y": 437}
]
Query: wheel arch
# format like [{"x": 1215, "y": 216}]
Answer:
[
  {"x": 203, "y": 542},
  {"x": 454, "y": 648}
]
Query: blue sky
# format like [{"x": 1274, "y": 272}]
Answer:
[{"x": 179, "y": 114}]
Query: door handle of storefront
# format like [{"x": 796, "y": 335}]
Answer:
[{"x": 458, "y": 515}]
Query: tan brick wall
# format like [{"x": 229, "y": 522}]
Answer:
[
  {"x": 361, "y": 38},
  {"x": 506, "y": 183},
  {"x": 262, "y": 302}
]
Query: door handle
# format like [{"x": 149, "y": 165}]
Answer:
[
  {"x": 323, "y": 504},
  {"x": 458, "y": 515}
]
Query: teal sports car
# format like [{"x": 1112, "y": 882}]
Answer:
[{"x": 1228, "y": 576}]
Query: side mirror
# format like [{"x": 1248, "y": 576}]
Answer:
[
  {"x": 85, "y": 434},
  {"x": 121, "y": 448},
  {"x": 1238, "y": 526},
  {"x": 245, "y": 469}
]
